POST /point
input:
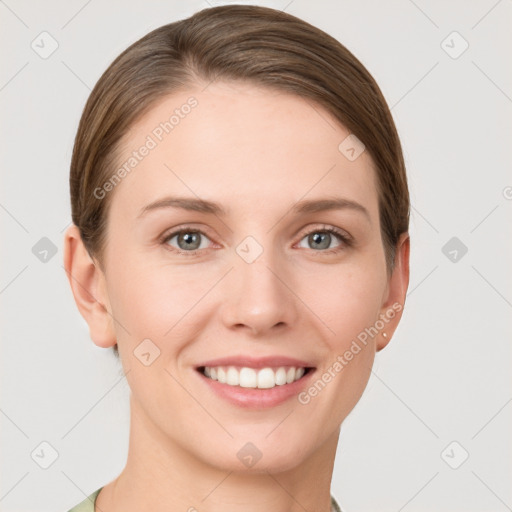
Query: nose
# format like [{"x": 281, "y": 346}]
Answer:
[{"x": 259, "y": 296}]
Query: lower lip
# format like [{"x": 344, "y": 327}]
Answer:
[{"x": 256, "y": 398}]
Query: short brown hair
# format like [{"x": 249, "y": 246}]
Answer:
[{"x": 257, "y": 44}]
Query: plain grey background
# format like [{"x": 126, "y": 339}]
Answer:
[{"x": 432, "y": 430}]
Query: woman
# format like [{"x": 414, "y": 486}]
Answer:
[{"x": 240, "y": 238}]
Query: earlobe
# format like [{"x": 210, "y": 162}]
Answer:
[
  {"x": 87, "y": 283},
  {"x": 394, "y": 302}
]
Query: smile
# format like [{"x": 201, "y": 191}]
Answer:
[{"x": 246, "y": 377}]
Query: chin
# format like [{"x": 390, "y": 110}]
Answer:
[{"x": 256, "y": 457}]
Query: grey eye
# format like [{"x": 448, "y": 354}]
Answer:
[
  {"x": 187, "y": 240},
  {"x": 320, "y": 240}
]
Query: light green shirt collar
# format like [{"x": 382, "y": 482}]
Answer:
[{"x": 88, "y": 504}]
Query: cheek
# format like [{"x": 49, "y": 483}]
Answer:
[
  {"x": 154, "y": 300},
  {"x": 350, "y": 301},
  {"x": 353, "y": 309}
]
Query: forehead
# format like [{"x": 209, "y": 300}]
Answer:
[{"x": 238, "y": 143}]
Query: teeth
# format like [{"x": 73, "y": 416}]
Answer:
[
  {"x": 221, "y": 375},
  {"x": 264, "y": 378},
  {"x": 233, "y": 377},
  {"x": 281, "y": 376},
  {"x": 248, "y": 378}
]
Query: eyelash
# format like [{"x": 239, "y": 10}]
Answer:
[{"x": 345, "y": 239}]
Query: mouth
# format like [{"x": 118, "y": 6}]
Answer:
[{"x": 255, "y": 378}]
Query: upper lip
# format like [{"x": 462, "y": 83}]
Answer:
[{"x": 257, "y": 362}]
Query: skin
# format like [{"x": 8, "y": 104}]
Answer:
[{"x": 257, "y": 152}]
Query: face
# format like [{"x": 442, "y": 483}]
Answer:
[{"x": 253, "y": 269}]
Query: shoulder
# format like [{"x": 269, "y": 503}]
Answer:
[
  {"x": 88, "y": 504},
  {"x": 334, "y": 505}
]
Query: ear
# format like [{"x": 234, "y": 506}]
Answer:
[
  {"x": 394, "y": 297},
  {"x": 89, "y": 289}
]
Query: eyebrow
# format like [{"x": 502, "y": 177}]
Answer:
[{"x": 302, "y": 207}]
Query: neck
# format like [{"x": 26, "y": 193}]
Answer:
[{"x": 161, "y": 475}]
